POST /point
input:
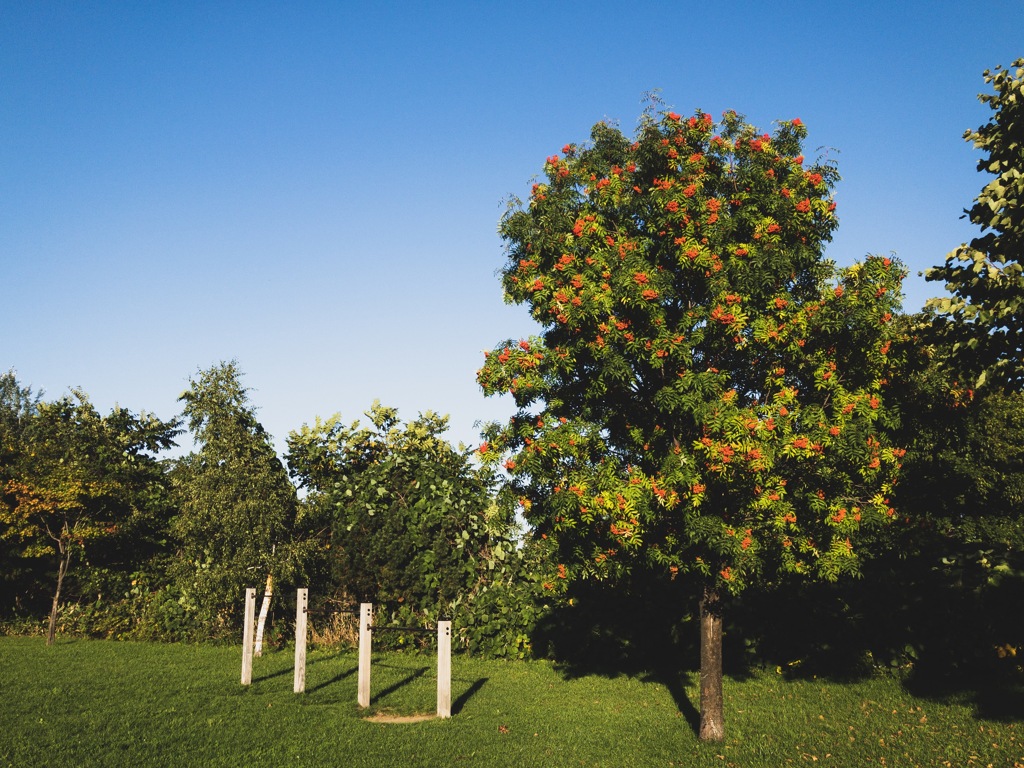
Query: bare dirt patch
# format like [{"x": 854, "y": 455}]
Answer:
[{"x": 385, "y": 717}]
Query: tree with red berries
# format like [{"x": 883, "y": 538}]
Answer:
[{"x": 707, "y": 393}]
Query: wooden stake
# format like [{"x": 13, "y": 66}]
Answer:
[
  {"x": 247, "y": 635},
  {"x": 365, "y": 640},
  {"x": 301, "y": 605},
  {"x": 444, "y": 669}
]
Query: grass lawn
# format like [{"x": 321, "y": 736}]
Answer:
[{"x": 97, "y": 703}]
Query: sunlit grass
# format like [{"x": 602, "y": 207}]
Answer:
[{"x": 92, "y": 703}]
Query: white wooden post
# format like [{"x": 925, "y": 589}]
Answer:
[
  {"x": 444, "y": 669},
  {"x": 247, "y": 635},
  {"x": 365, "y": 640},
  {"x": 301, "y": 604}
]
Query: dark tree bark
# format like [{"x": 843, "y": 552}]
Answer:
[{"x": 712, "y": 717}]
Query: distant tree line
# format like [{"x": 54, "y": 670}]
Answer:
[{"x": 101, "y": 535}]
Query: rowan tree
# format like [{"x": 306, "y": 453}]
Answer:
[
  {"x": 982, "y": 321},
  {"x": 707, "y": 392}
]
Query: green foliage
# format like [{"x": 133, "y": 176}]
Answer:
[
  {"x": 17, "y": 405},
  {"x": 708, "y": 394},
  {"x": 962, "y": 544},
  {"x": 983, "y": 320},
  {"x": 20, "y": 579},
  {"x": 237, "y": 506},
  {"x": 957, "y": 548},
  {"x": 82, "y": 487},
  {"x": 965, "y": 448},
  {"x": 498, "y": 616},
  {"x": 409, "y": 523}
]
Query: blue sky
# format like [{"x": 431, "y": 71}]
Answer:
[{"x": 313, "y": 189}]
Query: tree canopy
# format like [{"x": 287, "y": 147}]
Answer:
[
  {"x": 982, "y": 321},
  {"x": 408, "y": 521},
  {"x": 78, "y": 480}
]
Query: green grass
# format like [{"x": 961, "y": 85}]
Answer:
[{"x": 95, "y": 703}]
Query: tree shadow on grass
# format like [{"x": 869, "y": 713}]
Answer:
[
  {"x": 610, "y": 632},
  {"x": 994, "y": 693},
  {"x": 676, "y": 683},
  {"x": 1004, "y": 703},
  {"x": 946, "y": 639}
]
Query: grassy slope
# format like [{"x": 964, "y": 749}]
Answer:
[{"x": 93, "y": 703}]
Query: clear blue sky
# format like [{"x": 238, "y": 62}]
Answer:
[{"x": 314, "y": 189}]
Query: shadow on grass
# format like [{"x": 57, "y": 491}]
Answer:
[
  {"x": 1004, "y": 703},
  {"x": 840, "y": 633},
  {"x": 415, "y": 675},
  {"x": 993, "y": 693},
  {"x": 676, "y": 683},
  {"x": 272, "y": 675},
  {"x": 460, "y": 702},
  {"x": 608, "y": 634},
  {"x": 336, "y": 679}
]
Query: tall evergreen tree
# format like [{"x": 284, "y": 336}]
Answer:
[{"x": 236, "y": 504}]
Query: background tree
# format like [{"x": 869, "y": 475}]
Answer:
[
  {"x": 977, "y": 338},
  {"x": 707, "y": 394},
  {"x": 982, "y": 322},
  {"x": 81, "y": 482},
  {"x": 965, "y": 452},
  {"x": 407, "y": 521},
  {"x": 18, "y": 404},
  {"x": 237, "y": 505},
  {"x": 959, "y": 546}
]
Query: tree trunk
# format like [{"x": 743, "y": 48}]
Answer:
[
  {"x": 712, "y": 718},
  {"x": 264, "y": 610},
  {"x": 62, "y": 569}
]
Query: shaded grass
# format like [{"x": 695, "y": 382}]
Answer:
[{"x": 94, "y": 703}]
